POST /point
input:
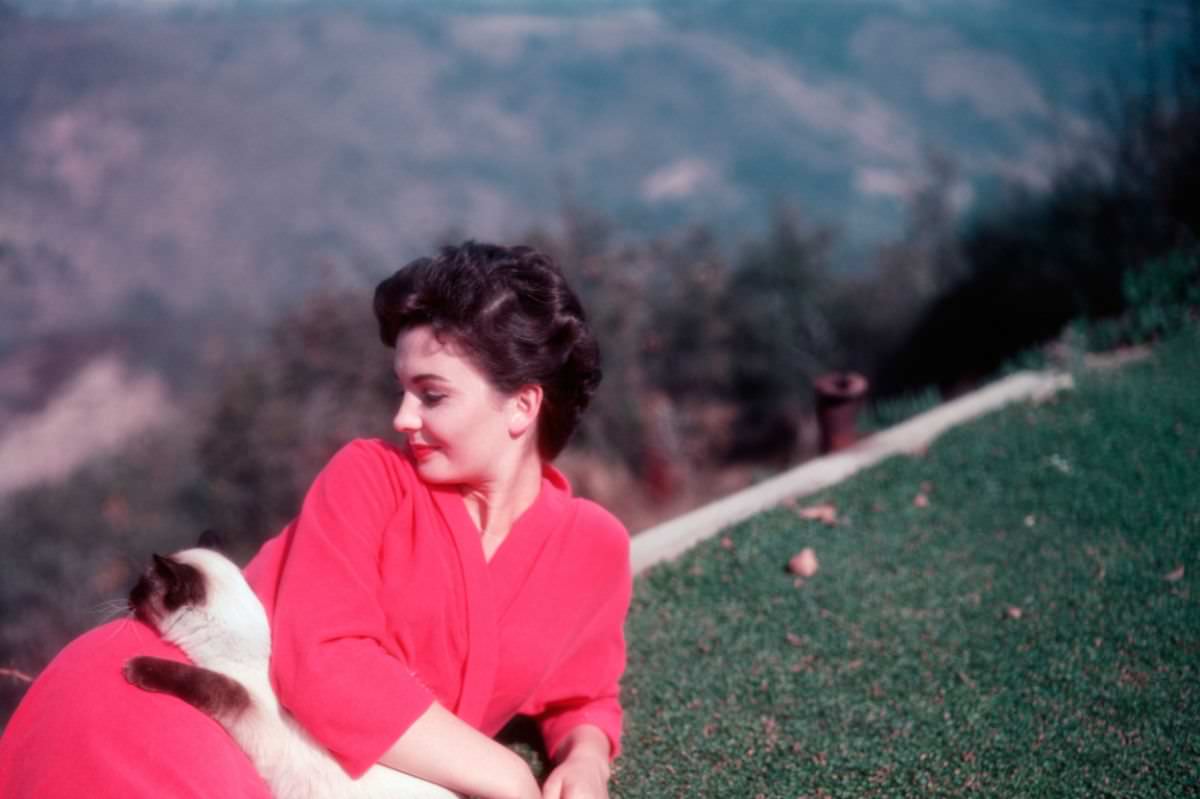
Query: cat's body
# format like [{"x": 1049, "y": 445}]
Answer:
[{"x": 199, "y": 601}]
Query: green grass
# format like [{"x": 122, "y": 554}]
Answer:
[{"x": 899, "y": 669}]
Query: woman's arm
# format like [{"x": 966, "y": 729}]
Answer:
[
  {"x": 442, "y": 748},
  {"x": 582, "y": 771},
  {"x": 335, "y": 663}
]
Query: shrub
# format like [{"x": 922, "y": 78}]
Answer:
[{"x": 1163, "y": 295}]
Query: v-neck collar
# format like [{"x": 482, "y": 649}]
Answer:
[
  {"x": 491, "y": 585},
  {"x": 542, "y": 517}
]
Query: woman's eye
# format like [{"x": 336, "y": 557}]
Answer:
[{"x": 427, "y": 398}]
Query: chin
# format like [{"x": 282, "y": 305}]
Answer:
[{"x": 436, "y": 473}]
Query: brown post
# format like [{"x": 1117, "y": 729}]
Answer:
[{"x": 840, "y": 396}]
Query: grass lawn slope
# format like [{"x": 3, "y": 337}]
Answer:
[{"x": 1014, "y": 614}]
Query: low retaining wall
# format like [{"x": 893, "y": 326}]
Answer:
[{"x": 671, "y": 539}]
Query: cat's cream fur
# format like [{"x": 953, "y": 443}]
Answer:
[{"x": 222, "y": 627}]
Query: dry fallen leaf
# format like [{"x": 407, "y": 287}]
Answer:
[
  {"x": 803, "y": 563},
  {"x": 821, "y": 513},
  {"x": 1174, "y": 576}
]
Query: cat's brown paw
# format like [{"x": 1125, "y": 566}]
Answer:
[
  {"x": 144, "y": 672},
  {"x": 209, "y": 691}
]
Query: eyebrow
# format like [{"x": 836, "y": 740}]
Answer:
[{"x": 425, "y": 377}]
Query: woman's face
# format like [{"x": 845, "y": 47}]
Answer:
[{"x": 459, "y": 427}]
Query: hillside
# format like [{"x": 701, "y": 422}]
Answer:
[{"x": 208, "y": 158}]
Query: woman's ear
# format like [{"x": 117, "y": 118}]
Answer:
[{"x": 523, "y": 411}]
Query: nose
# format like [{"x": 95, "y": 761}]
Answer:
[{"x": 407, "y": 420}]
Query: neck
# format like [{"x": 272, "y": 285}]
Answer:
[{"x": 496, "y": 503}]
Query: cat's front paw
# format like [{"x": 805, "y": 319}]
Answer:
[
  {"x": 146, "y": 673},
  {"x": 214, "y": 693}
]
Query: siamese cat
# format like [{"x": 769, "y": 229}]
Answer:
[{"x": 198, "y": 600}]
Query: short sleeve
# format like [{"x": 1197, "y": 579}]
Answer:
[{"x": 584, "y": 687}]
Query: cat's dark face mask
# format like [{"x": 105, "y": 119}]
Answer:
[{"x": 164, "y": 587}]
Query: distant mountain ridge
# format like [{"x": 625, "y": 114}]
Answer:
[{"x": 206, "y": 158}]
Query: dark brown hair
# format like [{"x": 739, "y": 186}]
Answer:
[{"x": 515, "y": 317}]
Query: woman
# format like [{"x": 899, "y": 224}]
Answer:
[{"x": 427, "y": 593}]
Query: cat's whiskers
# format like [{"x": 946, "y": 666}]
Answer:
[
  {"x": 118, "y": 626},
  {"x": 112, "y": 609}
]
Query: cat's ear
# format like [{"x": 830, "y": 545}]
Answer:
[
  {"x": 184, "y": 584},
  {"x": 211, "y": 539},
  {"x": 166, "y": 568}
]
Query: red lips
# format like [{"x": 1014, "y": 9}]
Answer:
[{"x": 421, "y": 452}]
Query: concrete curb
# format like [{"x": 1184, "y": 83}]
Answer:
[{"x": 670, "y": 539}]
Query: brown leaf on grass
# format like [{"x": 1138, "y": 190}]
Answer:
[
  {"x": 1174, "y": 576},
  {"x": 804, "y": 563},
  {"x": 826, "y": 514}
]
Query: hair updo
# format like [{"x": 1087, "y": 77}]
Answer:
[{"x": 513, "y": 314}]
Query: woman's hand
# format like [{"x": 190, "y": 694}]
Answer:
[
  {"x": 582, "y": 771},
  {"x": 578, "y": 777}
]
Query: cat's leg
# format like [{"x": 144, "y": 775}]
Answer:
[
  {"x": 292, "y": 764},
  {"x": 227, "y": 701},
  {"x": 216, "y": 695}
]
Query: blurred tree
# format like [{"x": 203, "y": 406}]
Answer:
[
  {"x": 685, "y": 350},
  {"x": 1038, "y": 260},
  {"x": 610, "y": 278},
  {"x": 874, "y": 311},
  {"x": 74, "y": 549},
  {"x": 780, "y": 335},
  {"x": 322, "y": 379}
]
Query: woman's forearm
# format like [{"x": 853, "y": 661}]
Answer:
[{"x": 442, "y": 748}]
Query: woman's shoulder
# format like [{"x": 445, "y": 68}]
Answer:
[
  {"x": 371, "y": 460},
  {"x": 371, "y": 449},
  {"x": 605, "y": 533}
]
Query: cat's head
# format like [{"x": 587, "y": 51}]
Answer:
[{"x": 198, "y": 597}]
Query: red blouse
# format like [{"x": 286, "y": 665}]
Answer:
[{"x": 382, "y": 601}]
